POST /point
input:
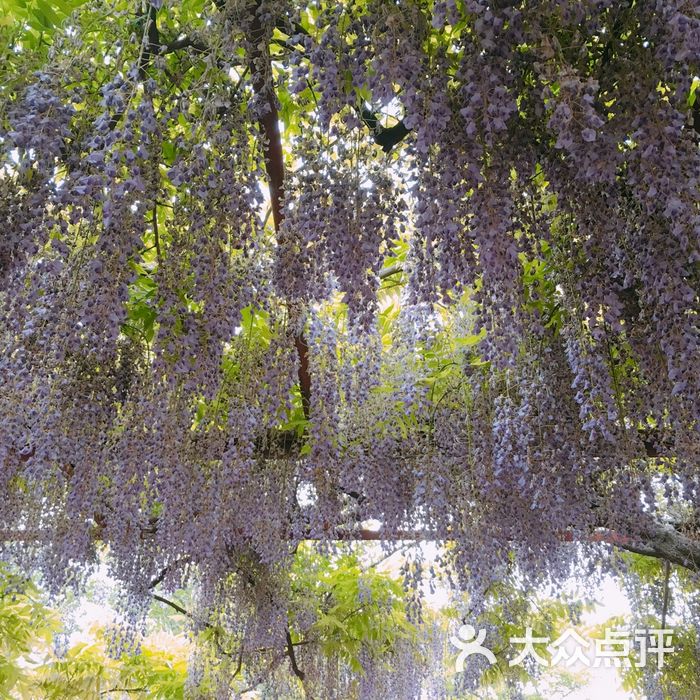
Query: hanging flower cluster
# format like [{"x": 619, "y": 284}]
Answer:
[{"x": 272, "y": 271}]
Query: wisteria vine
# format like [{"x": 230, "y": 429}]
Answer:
[{"x": 270, "y": 271}]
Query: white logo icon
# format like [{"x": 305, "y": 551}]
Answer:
[{"x": 465, "y": 640}]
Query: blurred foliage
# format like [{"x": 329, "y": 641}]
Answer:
[
  {"x": 668, "y": 599},
  {"x": 357, "y": 608}
]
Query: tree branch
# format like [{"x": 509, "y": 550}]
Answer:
[
  {"x": 667, "y": 576},
  {"x": 292, "y": 658},
  {"x": 659, "y": 541},
  {"x": 153, "y": 45},
  {"x": 123, "y": 690},
  {"x": 274, "y": 164},
  {"x": 387, "y": 137},
  {"x": 185, "y": 42},
  {"x": 161, "y": 576},
  {"x": 174, "y": 606}
]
